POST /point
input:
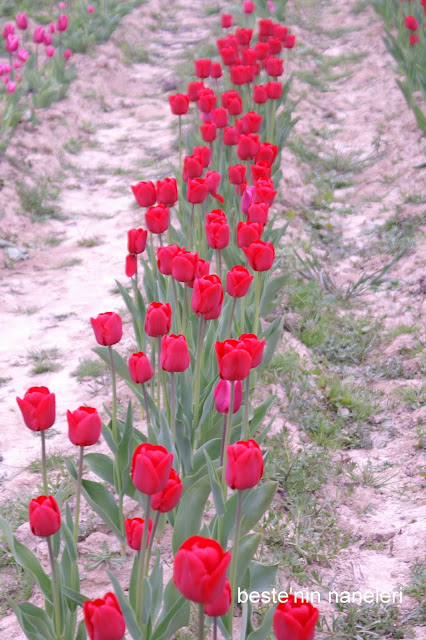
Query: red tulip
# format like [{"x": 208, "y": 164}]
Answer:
[
  {"x": 134, "y": 531},
  {"x": 84, "y": 426},
  {"x": 295, "y": 620},
  {"x": 204, "y": 154},
  {"x": 258, "y": 212},
  {"x": 222, "y": 396},
  {"x": 212, "y": 179},
  {"x": 275, "y": 46},
  {"x": 221, "y": 605},
  {"x": 261, "y": 255},
  {"x": 228, "y": 55},
  {"x": 237, "y": 174},
  {"x": 208, "y": 131},
  {"x": 108, "y": 328},
  {"x": 290, "y": 41},
  {"x": 199, "y": 569},
  {"x": 238, "y": 281},
  {"x": 62, "y": 23},
  {"x": 267, "y": 152},
  {"x": 44, "y": 516},
  {"x": 255, "y": 348},
  {"x": 253, "y": 120},
  {"x": 243, "y": 36},
  {"x": 249, "y": 57},
  {"x": 248, "y": 6},
  {"x": 140, "y": 368},
  {"x": 38, "y": 408},
  {"x": 174, "y": 354},
  {"x": 103, "y": 618},
  {"x": 266, "y": 28},
  {"x": 240, "y": 74},
  {"x": 203, "y": 269},
  {"x": 144, "y": 193},
  {"x": 273, "y": 66},
  {"x": 247, "y": 233},
  {"x": 202, "y": 68},
  {"x": 192, "y": 167},
  {"x": 165, "y": 256},
  {"x": 234, "y": 361},
  {"x": 235, "y": 105},
  {"x": 131, "y": 265},
  {"x": 262, "y": 50},
  {"x": 275, "y": 90},
  {"x": 179, "y": 104},
  {"x": 197, "y": 191},
  {"x": 244, "y": 465},
  {"x": 226, "y": 21},
  {"x": 217, "y": 230},
  {"x": 167, "y": 194},
  {"x": 216, "y": 70},
  {"x": 207, "y": 297},
  {"x": 220, "y": 117},
  {"x": 136, "y": 241},
  {"x": 280, "y": 32},
  {"x": 194, "y": 89},
  {"x": 260, "y": 170},
  {"x": 264, "y": 191},
  {"x": 230, "y": 136},
  {"x": 158, "y": 319},
  {"x": 413, "y": 38},
  {"x": 150, "y": 468},
  {"x": 248, "y": 146},
  {"x": 167, "y": 499},
  {"x": 206, "y": 100},
  {"x": 184, "y": 266},
  {"x": 157, "y": 219}
]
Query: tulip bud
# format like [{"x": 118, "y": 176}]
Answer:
[
  {"x": 103, "y": 618},
  {"x": 295, "y": 619},
  {"x": 158, "y": 319},
  {"x": 44, "y": 516},
  {"x": 108, "y": 328},
  {"x": 222, "y": 396},
  {"x": 167, "y": 499},
  {"x": 244, "y": 465},
  {"x": 174, "y": 356},
  {"x": 150, "y": 469},
  {"x": 144, "y": 193},
  {"x": 238, "y": 281},
  {"x": 38, "y": 408},
  {"x": 140, "y": 368},
  {"x": 134, "y": 531}
]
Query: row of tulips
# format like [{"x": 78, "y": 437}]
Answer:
[
  {"x": 202, "y": 436},
  {"x": 405, "y": 39}
]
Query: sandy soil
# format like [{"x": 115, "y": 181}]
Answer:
[{"x": 119, "y": 116}]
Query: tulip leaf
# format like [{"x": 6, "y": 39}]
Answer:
[
  {"x": 190, "y": 510},
  {"x": 260, "y": 413},
  {"x": 212, "y": 448},
  {"x": 229, "y": 518},
  {"x": 215, "y": 487},
  {"x": 156, "y": 582},
  {"x": 174, "y": 615},
  {"x": 256, "y": 503},
  {"x": 262, "y": 576},
  {"x": 100, "y": 499},
  {"x": 81, "y": 632},
  {"x": 109, "y": 438},
  {"x": 246, "y": 550},
  {"x": 268, "y": 300},
  {"x": 26, "y": 559},
  {"x": 75, "y": 596},
  {"x": 133, "y": 582},
  {"x": 127, "y": 611},
  {"x": 34, "y": 621},
  {"x": 102, "y": 465},
  {"x": 125, "y": 449},
  {"x": 146, "y": 601},
  {"x": 264, "y": 631}
]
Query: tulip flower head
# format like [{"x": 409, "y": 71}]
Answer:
[
  {"x": 44, "y": 516},
  {"x": 38, "y": 408},
  {"x": 150, "y": 469},
  {"x": 295, "y": 619},
  {"x": 103, "y": 618}
]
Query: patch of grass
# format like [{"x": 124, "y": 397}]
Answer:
[
  {"x": 414, "y": 397},
  {"x": 135, "y": 53},
  {"x": 368, "y": 476},
  {"x": 89, "y": 242},
  {"x": 54, "y": 461},
  {"x": 44, "y": 360},
  {"x": 73, "y": 146},
  {"x": 397, "y": 233},
  {"x": 363, "y": 621},
  {"x": 111, "y": 559},
  {"x": 4, "y": 380},
  {"x": 417, "y": 586},
  {"x": 54, "y": 239},
  {"x": 399, "y": 330},
  {"x": 65, "y": 264},
  {"x": 89, "y": 368},
  {"x": 27, "y": 311},
  {"x": 37, "y": 200}
]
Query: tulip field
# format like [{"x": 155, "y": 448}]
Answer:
[{"x": 212, "y": 302}]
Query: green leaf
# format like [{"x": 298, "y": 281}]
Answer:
[
  {"x": 26, "y": 559},
  {"x": 101, "y": 500},
  {"x": 33, "y": 621},
  {"x": 215, "y": 487},
  {"x": 262, "y": 576},
  {"x": 262, "y": 632},
  {"x": 246, "y": 550},
  {"x": 101, "y": 465},
  {"x": 156, "y": 582},
  {"x": 256, "y": 503},
  {"x": 81, "y": 633},
  {"x": 190, "y": 510},
  {"x": 174, "y": 615},
  {"x": 75, "y": 596},
  {"x": 128, "y": 613}
]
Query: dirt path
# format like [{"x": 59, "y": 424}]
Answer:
[{"x": 352, "y": 508}]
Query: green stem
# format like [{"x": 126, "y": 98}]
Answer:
[
  {"x": 114, "y": 397},
  {"x": 197, "y": 372},
  {"x": 158, "y": 372},
  {"x": 231, "y": 318},
  {"x": 173, "y": 407},
  {"x": 222, "y": 444},
  {"x": 180, "y": 145},
  {"x": 256, "y": 302},
  {"x": 243, "y": 314},
  {"x": 219, "y": 263},
  {"x": 78, "y": 496},
  {"x": 227, "y": 437},
  {"x": 56, "y": 603},
  {"x": 151, "y": 540},
  {"x": 177, "y": 310},
  {"x": 43, "y": 463},
  {"x": 201, "y": 622},
  {"x": 246, "y": 407},
  {"x": 145, "y": 400},
  {"x": 141, "y": 565},
  {"x": 233, "y": 572},
  {"x": 191, "y": 224},
  {"x": 184, "y": 305}
]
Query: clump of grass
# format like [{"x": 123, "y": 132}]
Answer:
[
  {"x": 89, "y": 368},
  {"x": 54, "y": 239},
  {"x": 54, "y": 461},
  {"x": 398, "y": 233},
  {"x": 89, "y": 242},
  {"x": 44, "y": 360},
  {"x": 362, "y": 621},
  {"x": 65, "y": 264},
  {"x": 413, "y": 396},
  {"x": 37, "y": 200},
  {"x": 27, "y": 311}
]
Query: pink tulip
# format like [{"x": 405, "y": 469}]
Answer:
[
  {"x": 11, "y": 87},
  {"x": 22, "y": 21},
  {"x": 67, "y": 54},
  {"x": 8, "y": 29},
  {"x": 222, "y": 396},
  {"x": 50, "y": 52},
  {"x": 247, "y": 199},
  {"x": 23, "y": 55},
  {"x": 47, "y": 39},
  {"x": 16, "y": 64},
  {"x": 62, "y": 5},
  {"x": 38, "y": 35},
  {"x": 62, "y": 23},
  {"x": 51, "y": 27},
  {"x": 90, "y": 9},
  {"x": 12, "y": 43}
]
